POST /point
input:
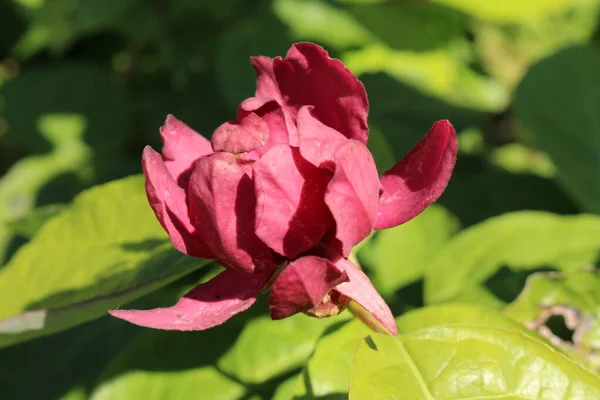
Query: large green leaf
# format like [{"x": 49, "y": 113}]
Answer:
[
  {"x": 506, "y": 11},
  {"x": 20, "y": 187},
  {"x": 398, "y": 256},
  {"x": 205, "y": 382},
  {"x": 103, "y": 251},
  {"x": 563, "y": 117},
  {"x": 576, "y": 297},
  {"x": 466, "y": 362},
  {"x": 455, "y": 313},
  {"x": 267, "y": 348},
  {"x": 327, "y": 374},
  {"x": 521, "y": 240},
  {"x": 323, "y": 23}
]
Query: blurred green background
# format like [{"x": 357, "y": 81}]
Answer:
[{"x": 85, "y": 85}]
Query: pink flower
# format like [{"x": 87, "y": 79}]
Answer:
[{"x": 289, "y": 183}]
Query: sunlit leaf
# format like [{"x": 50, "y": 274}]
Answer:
[
  {"x": 266, "y": 348},
  {"x": 204, "y": 381},
  {"x": 104, "y": 250},
  {"x": 466, "y": 362},
  {"x": 396, "y": 257},
  {"x": 520, "y": 240},
  {"x": 327, "y": 374},
  {"x": 509, "y": 10},
  {"x": 575, "y": 297}
]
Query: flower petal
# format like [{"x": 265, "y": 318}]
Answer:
[
  {"x": 360, "y": 289},
  {"x": 419, "y": 178},
  {"x": 266, "y": 85},
  {"x": 291, "y": 215},
  {"x": 302, "y": 285},
  {"x": 223, "y": 203},
  {"x": 272, "y": 113},
  {"x": 308, "y": 76},
  {"x": 240, "y": 137},
  {"x": 182, "y": 146},
  {"x": 168, "y": 201},
  {"x": 318, "y": 142},
  {"x": 353, "y": 193},
  {"x": 207, "y": 305}
]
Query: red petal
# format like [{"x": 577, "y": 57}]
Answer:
[
  {"x": 360, "y": 289},
  {"x": 222, "y": 201},
  {"x": 168, "y": 201},
  {"x": 266, "y": 85},
  {"x": 419, "y": 178},
  {"x": 240, "y": 137},
  {"x": 308, "y": 76},
  {"x": 182, "y": 146},
  {"x": 207, "y": 305},
  {"x": 302, "y": 285},
  {"x": 318, "y": 142},
  {"x": 353, "y": 193},
  {"x": 291, "y": 215},
  {"x": 272, "y": 113}
]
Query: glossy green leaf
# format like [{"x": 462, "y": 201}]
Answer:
[
  {"x": 327, "y": 374},
  {"x": 574, "y": 296},
  {"x": 440, "y": 73},
  {"x": 205, "y": 382},
  {"x": 21, "y": 185},
  {"x": 507, "y": 51},
  {"x": 563, "y": 117},
  {"x": 266, "y": 348},
  {"x": 323, "y": 23},
  {"x": 398, "y": 256},
  {"x": 104, "y": 250},
  {"x": 28, "y": 225},
  {"x": 509, "y": 10},
  {"x": 455, "y": 313},
  {"x": 520, "y": 240},
  {"x": 400, "y": 25},
  {"x": 286, "y": 389},
  {"x": 466, "y": 362}
]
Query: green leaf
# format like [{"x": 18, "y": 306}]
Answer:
[
  {"x": 563, "y": 117},
  {"x": 466, "y": 362},
  {"x": 400, "y": 25},
  {"x": 104, "y": 250},
  {"x": 456, "y": 313},
  {"x": 286, "y": 389},
  {"x": 322, "y": 23},
  {"x": 507, "y": 51},
  {"x": 478, "y": 191},
  {"x": 267, "y": 348},
  {"x": 509, "y": 10},
  {"x": 398, "y": 256},
  {"x": 521, "y": 240},
  {"x": 20, "y": 187},
  {"x": 28, "y": 225},
  {"x": 327, "y": 374},
  {"x": 156, "y": 385},
  {"x": 576, "y": 297}
]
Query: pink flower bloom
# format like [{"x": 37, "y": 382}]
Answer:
[{"x": 290, "y": 182}]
